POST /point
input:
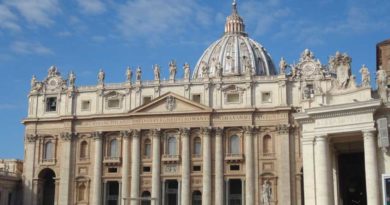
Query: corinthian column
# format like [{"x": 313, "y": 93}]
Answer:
[
  {"x": 66, "y": 153},
  {"x": 219, "y": 167},
  {"x": 28, "y": 169},
  {"x": 97, "y": 169},
  {"x": 156, "y": 166},
  {"x": 185, "y": 175},
  {"x": 125, "y": 167},
  {"x": 371, "y": 167},
  {"x": 324, "y": 189},
  {"x": 249, "y": 168},
  {"x": 135, "y": 167},
  {"x": 206, "y": 194},
  {"x": 284, "y": 170}
]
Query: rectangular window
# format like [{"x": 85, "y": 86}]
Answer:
[
  {"x": 85, "y": 105},
  {"x": 266, "y": 97},
  {"x": 196, "y": 168},
  {"x": 113, "y": 103},
  {"x": 233, "y": 98},
  {"x": 51, "y": 104},
  {"x": 112, "y": 170},
  {"x": 196, "y": 98},
  {"x": 146, "y": 169},
  {"x": 235, "y": 167},
  {"x": 146, "y": 100}
]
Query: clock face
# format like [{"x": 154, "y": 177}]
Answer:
[
  {"x": 52, "y": 83},
  {"x": 308, "y": 68}
]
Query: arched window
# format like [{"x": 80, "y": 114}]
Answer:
[
  {"x": 83, "y": 150},
  {"x": 148, "y": 148},
  {"x": 234, "y": 144},
  {"x": 49, "y": 151},
  {"x": 196, "y": 198},
  {"x": 267, "y": 145},
  {"x": 172, "y": 146},
  {"x": 81, "y": 195},
  {"x": 197, "y": 146},
  {"x": 114, "y": 148},
  {"x": 145, "y": 195}
]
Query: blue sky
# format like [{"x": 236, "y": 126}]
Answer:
[{"x": 86, "y": 35}]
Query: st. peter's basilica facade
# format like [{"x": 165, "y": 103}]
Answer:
[{"x": 238, "y": 130}]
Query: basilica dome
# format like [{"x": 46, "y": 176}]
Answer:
[{"x": 234, "y": 54}]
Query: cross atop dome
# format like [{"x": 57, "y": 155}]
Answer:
[{"x": 234, "y": 23}]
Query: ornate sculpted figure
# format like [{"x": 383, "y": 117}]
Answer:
[
  {"x": 129, "y": 74},
  {"x": 101, "y": 76},
  {"x": 186, "y": 68},
  {"x": 170, "y": 104},
  {"x": 282, "y": 66},
  {"x": 341, "y": 65},
  {"x": 248, "y": 68},
  {"x": 266, "y": 193},
  {"x": 53, "y": 71},
  {"x": 156, "y": 71},
  {"x": 365, "y": 76},
  {"x": 307, "y": 55},
  {"x": 33, "y": 82},
  {"x": 72, "y": 78},
  {"x": 172, "y": 70},
  {"x": 138, "y": 74}
]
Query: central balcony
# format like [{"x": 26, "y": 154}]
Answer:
[
  {"x": 112, "y": 160},
  {"x": 171, "y": 159},
  {"x": 234, "y": 158}
]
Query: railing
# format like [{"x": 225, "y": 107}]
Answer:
[
  {"x": 233, "y": 157},
  {"x": 169, "y": 158},
  {"x": 111, "y": 160},
  {"x": 196, "y": 156},
  {"x": 9, "y": 174}
]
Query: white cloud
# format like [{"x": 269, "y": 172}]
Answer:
[
  {"x": 22, "y": 47},
  {"x": 64, "y": 34},
  {"x": 98, "y": 39},
  {"x": 92, "y": 6},
  {"x": 8, "y": 20},
  {"x": 156, "y": 19},
  {"x": 38, "y": 12}
]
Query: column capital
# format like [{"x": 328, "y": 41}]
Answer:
[
  {"x": 156, "y": 132},
  {"x": 97, "y": 135},
  {"x": 322, "y": 137},
  {"x": 218, "y": 131},
  {"x": 205, "y": 130},
  {"x": 248, "y": 130},
  {"x": 31, "y": 138},
  {"x": 369, "y": 133},
  {"x": 307, "y": 140},
  {"x": 185, "y": 132},
  {"x": 125, "y": 134},
  {"x": 135, "y": 133},
  {"x": 283, "y": 128},
  {"x": 67, "y": 136}
]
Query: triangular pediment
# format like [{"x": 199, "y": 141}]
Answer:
[{"x": 171, "y": 103}]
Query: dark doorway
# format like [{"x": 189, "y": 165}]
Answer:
[
  {"x": 196, "y": 198},
  {"x": 112, "y": 193},
  {"x": 235, "y": 192},
  {"x": 171, "y": 193},
  {"x": 47, "y": 186},
  {"x": 352, "y": 179}
]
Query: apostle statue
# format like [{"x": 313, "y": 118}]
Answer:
[
  {"x": 33, "y": 82},
  {"x": 365, "y": 76},
  {"x": 156, "y": 71},
  {"x": 381, "y": 80},
  {"x": 138, "y": 74},
  {"x": 172, "y": 70},
  {"x": 72, "y": 79},
  {"x": 129, "y": 74},
  {"x": 186, "y": 68},
  {"x": 266, "y": 193},
  {"x": 205, "y": 70},
  {"x": 282, "y": 66},
  {"x": 101, "y": 77}
]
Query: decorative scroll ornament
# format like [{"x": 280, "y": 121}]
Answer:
[
  {"x": 52, "y": 83},
  {"x": 170, "y": 103}
]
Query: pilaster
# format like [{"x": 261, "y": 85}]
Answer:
[
  {"x": 66, "y": 157},
  {"x": 186, "y": 163},
  {"x": 371, "y": 167},
  {"x": 135, "y": 166},
  {"x": 206, "y": 193},
  {"x": 156, "y": 165}
]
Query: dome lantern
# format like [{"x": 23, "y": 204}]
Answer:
[{"x": 234, "y": 23}]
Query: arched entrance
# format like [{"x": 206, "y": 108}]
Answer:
[{"x": 47, "y": 186}]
